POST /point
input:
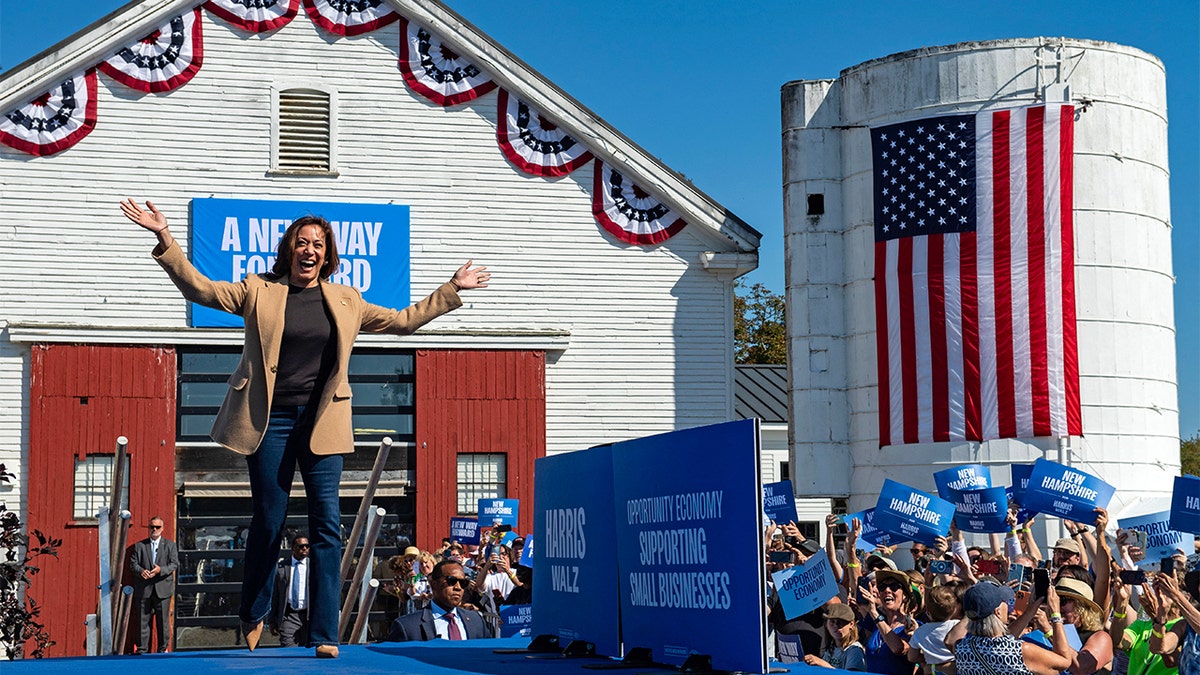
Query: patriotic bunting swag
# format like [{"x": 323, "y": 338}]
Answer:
[
  {"x": 975, "y": 277},
  {"x": 533, "y": 143},
  {"x": 256, "y": 16},
  {"x": 163, "y": 60},
  {"x": 628, "y": 212},
  {"x": 350, "y": 17},
  {"x": 55, "y": 120},
  {"x": 435, "y": 71}
]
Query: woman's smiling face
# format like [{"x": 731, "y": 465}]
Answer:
[{"x": 307, "y": 257}]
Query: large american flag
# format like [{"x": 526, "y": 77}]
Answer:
[{"x": 975, "y": 277}]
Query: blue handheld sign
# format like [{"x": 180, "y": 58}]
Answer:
[
  {"x": 779, "y": 502},
  {"x": 1161, "y": 540},
  {"x": 515, "y": 620},
  {"x": 805, "y": 587},
  {"x": 464, "y": 530},
  {"x": 527, "y": 554},
  {"x": 912, "y": 514},
  {"x": 1065, "y": 492},
  {"x": 574, "y": 527},
  {"x": 980, "y": 510},
  {"x": 1020, "y": 480},
  {"x": 871, "y": 534},
  {"x": 231, "y": 238},
  {"x": 961, "y": 478},
  {"x": 1185, "y": 505},
  {"x": 689, "y": 546}
]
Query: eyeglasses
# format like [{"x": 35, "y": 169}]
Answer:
[
  {"x": 155, "y": 527},
  {"x": 838, "y": 622},
  {"x": 300, "y": 546},
  {"x": 895, "y": 586},
  {"x": 461, "y": 582}
]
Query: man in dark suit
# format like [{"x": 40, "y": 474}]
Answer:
[
  {"x": 154, "y": 562},
  {"x": 443, "y": 618},
  {"x": 289, "y": 615}
]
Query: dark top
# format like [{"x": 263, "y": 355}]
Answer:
[
  {"x": 308, "y": 350},
  {"x": 880, "y": 658}
]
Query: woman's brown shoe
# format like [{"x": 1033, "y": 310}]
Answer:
[
  {"x": 327, "y": 651},
  {"x": 253, "y": 633}
]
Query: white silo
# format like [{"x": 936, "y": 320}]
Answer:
[{"x": 1122, "y": 239}]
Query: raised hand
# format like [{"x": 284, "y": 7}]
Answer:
[
  {"x": 467, "y": 277},
  {"x": 152, "y": 220}
]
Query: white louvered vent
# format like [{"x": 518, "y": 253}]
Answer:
[{"x": 305, "y": 131}]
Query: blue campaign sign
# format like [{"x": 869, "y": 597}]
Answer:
[
  {"x": 871, "y": 534},
  {"x": 231, "y": 238},
  {"x": 1020, "y": 480},
  {"x": 516, "y": 620},
  {"x": 527, "y": 554},
  {"x": 1185, "y": 505},
  {"x": 805, "y": 587},
  {"x": 779, "y": 502},
  {"x": 493, "y": 512},
  {"x": 1065, "y": 492},
  {"x": 912, "y": 514},
  {"x": 689, "y": 546},
  {"x": 980, "y": 510},
  {"x": 1161, "y": 540},
  {"x": 1023, "y": 514},
  {"x": 960, "y": 478},
  {"x": 464, "y": 530},
  {"x": 574, "y": 530}
]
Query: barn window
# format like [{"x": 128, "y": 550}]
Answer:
[
  {"x": 304, "y": 123},
  {"x": 481, "y": 475},
  {"x": 93, "y": 485}
]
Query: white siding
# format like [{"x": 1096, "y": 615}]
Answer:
[{"x": 650, "y": 346}]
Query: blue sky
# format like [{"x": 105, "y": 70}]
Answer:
[{"x": 697, "y": 83}]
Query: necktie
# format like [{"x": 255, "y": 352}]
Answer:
[
  {"x": 297, "y": 570},
  {"x": 452, "y": 627}
]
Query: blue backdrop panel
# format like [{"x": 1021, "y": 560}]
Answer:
[
  {"x": 689, "y": 545},
  {"x": 231, "y": 238},
  {"x": 575, "y": 578}
]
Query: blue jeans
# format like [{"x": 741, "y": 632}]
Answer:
[{"x": 284, "y": 447}]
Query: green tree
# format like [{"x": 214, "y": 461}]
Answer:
[
  {"x": 1189, "y": 455},
  {"x": 759, "y": 329}
]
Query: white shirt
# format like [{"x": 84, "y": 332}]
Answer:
[
  {"x": 298, "y": 593},
  {"x": 442, "y": 619},
  {"x": 498, "y": 581},
  {"x": 930, "y": 638}
]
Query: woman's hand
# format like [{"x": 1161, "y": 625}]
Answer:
[
  {"x": 1052, "y": 601},
  {"x": 465, "y": 277},
  {"x": 152, "y": 220},
  {"x": 811, "y": 660}
]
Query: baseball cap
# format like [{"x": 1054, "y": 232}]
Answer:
[
  {"x": 984, "y": 597},
  {"x": 1067, "y": 544}
]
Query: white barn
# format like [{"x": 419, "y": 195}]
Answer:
[{"x": 582, "y": 339}]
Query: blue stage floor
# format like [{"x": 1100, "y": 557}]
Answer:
[{"x": 386, "y": 658}]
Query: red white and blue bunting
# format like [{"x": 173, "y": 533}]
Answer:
[
  {"x": 350, "y": 17},
  {"x": 55, "y": 120},
  {"x": 628, "y": 212},
  {"x": 437, "y": 72},
  {"x": 163, "y": 60},
  {"x": 533, "y": 143},
  {"x": 255, "y": 16}
]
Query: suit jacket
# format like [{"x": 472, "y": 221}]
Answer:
[
  {"x": 418, "y": 626},
  {"x": 242, "y": 420},
  {"x": 283, "y": 588},
  {"x": 167, "y": 560}
]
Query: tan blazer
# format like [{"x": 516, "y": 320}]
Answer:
[{"x": 242, "y": 421}]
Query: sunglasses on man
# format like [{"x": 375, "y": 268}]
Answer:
[{"x": 461, "y": 582}]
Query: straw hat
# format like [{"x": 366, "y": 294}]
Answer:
[{"x": 1076, "y": 590}]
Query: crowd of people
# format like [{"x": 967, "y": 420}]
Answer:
[
  {"x": 459, "y": 582},
  {"x": 1003, "y": 609}
]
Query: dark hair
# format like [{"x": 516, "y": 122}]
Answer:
[
  {"x": 437, "y": 569},
  {"x": 1077, "y": 572},
  {"x": 287, "y": 244}
]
